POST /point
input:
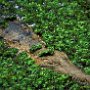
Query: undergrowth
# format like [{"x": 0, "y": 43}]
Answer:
[
  {"x": 19, "y": 72},
  {"x": 62, "y": 24}
]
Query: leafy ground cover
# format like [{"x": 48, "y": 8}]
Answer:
[
  {"x": 18, "y": 71},
  {"x": 62, "y": 25},
  {"x": 35, "y": 47}
]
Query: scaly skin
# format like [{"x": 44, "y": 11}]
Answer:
[{"x": 58, "y": 62}]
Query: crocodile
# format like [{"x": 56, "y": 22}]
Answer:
[{"x": 20, "y": 36}]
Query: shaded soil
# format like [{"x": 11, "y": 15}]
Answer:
[{"x": 22, "y": 37}]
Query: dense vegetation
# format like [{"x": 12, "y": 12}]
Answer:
[
  {"x": 63, "y": 25},
  {"x": 35, "y": 47},
  {"x": 19, "y": 72}
]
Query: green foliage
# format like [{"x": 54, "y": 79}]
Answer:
[
  {"x": 10, "y": 52},
  {"x": 35, "y": 47},
  {"x": 64, "y": 25},
  {"x": 7, "y": 12},
  {"x": 7, "y": 8},
  {"x": 85, "y": 4},
  {"x": 19, "y": 72},
  {"x": 3, "y": 23},
  {"x": 49, "y": 51}
]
